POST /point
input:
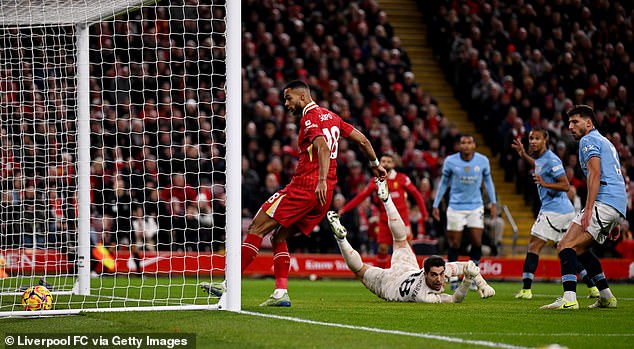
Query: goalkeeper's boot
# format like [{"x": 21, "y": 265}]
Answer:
[
  {"x": 381, "y": 189},
  {"x": 524, "y": 294},
  {"x": 593, "y": 292},
  {"x": 211, "y": 289},
  {"x": 284, "y": 301},
  {"x": 337, "y": 228},
  {"x": 604, "y": 303},
  {"x": 561, "y": 303}
]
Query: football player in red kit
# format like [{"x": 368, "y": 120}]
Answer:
[{"x": 303, "y": 203}]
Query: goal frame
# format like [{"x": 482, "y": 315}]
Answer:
[{"x": 231, "y": 299}]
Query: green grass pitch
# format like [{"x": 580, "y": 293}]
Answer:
[{"x": 343, "y": 314}]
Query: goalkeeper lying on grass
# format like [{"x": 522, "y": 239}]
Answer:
[{"x": 404, "y": 281}]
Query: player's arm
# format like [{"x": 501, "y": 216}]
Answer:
[
  {"x": 358, "y": 199},
  {"x": 488, "y": 184},
  {"x": 418, "y": 197},
  {"x": 460, "y": 268},
  {"x": 593, "y": 181},
  {"x": 459, "y": 294},
  {"x": 470, "y": 271},
  {"x": 462, "y": 290},
  {"x": 561, "y": 184},
  {"x": 366, "y": 148},
  {"x": 323, "y": 156},
  {"x": 442, "y": 188},
  {"x": 519, "y": 148}
]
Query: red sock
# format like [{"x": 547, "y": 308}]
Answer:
[
  {"x": 281, "y": 264},
  {"x": 382, "y": 260},
  {"x": 250, "y": 248}
]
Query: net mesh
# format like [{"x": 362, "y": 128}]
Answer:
[{"x": 157, "y": 150}]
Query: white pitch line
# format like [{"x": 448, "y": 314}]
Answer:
[
  {"x": 545, "y": 334},
  {"x": 402, "y": 333}
]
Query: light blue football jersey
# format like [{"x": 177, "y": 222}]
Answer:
[
  {"x": 549, "y": 167},
  {"x": 612, "y": 185},
  {"x": 465, "y": 179}
]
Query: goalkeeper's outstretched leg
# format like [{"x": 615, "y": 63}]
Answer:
[{"x": 404, "y": 281}]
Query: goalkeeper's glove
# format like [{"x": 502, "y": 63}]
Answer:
[
  {"x": 471, "y": 270},
  {"x": 486, "y": 291}
]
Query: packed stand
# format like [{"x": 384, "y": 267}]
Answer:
[
  {"x": 354, "y": 63},
  {"x": 157, "y": 128},
  {"x": 517, "y": 65},
  {"x": 37, "y": 140},
  {"x": 157, "y": 125},
  {"x": 157, "y": 122}
]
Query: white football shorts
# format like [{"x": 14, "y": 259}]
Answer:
[
  {"x": 551, "y": 225},
  {"x": 458, "y": 219},
  {"x": 604, "y": 218}
]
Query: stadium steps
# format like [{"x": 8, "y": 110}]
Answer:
[{"x": 410, "y": 27}]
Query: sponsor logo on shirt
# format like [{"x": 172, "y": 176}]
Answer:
[
  {"x": 324, "y": 117},
  {"x": 588, "y": 147},
  {"x": 309, "y": 125},
  {"x": 468, "y": 179}
]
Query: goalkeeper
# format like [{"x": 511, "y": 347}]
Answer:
[{"x": 404, "y": 281}]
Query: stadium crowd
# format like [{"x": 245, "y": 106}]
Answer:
[
  {"x": 157, "y": 117},
  {"x": 348, "y": 53},
  {"x": 157, "y": 107},
  {"x": 157, "y": 129},
  {"x": 517, "y": 65}
]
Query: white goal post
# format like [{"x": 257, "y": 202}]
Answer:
[{"x": 120, "y": 171}]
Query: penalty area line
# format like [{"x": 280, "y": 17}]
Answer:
[{"x": 395, "y": 332}]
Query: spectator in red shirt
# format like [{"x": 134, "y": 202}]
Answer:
[{"x": 179, "y": 191}]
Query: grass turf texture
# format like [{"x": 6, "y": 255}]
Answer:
[{"x": 501, "y": 319}]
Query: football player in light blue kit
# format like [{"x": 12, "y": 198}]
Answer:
[
  {"x": 556, "y": 211},
  {"x": 463, "y": 174},
  {"x": 600, "y": 219}
]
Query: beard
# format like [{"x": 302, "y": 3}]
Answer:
[{"x": 296, "y": 109}]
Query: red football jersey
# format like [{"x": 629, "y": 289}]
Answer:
[{"x": 317, "y": 121}]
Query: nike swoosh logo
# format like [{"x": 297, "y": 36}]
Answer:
[
  {"x": 568, "y": 306},
  {"x": 144, "y": 263}
]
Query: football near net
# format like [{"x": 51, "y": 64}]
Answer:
[{"x": 120, "y": 187}]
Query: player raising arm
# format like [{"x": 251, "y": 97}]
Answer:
[
  {"x": 556, "y": 211},
  {"x": 601, "y": 217},
  {"x": 303, "y": 203},
  {"x": 404, "y": 281}
]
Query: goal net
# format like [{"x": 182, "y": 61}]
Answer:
[{"x": 117, "y": 154}]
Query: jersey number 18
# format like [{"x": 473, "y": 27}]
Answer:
[{"x": 332, "y": 139}]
